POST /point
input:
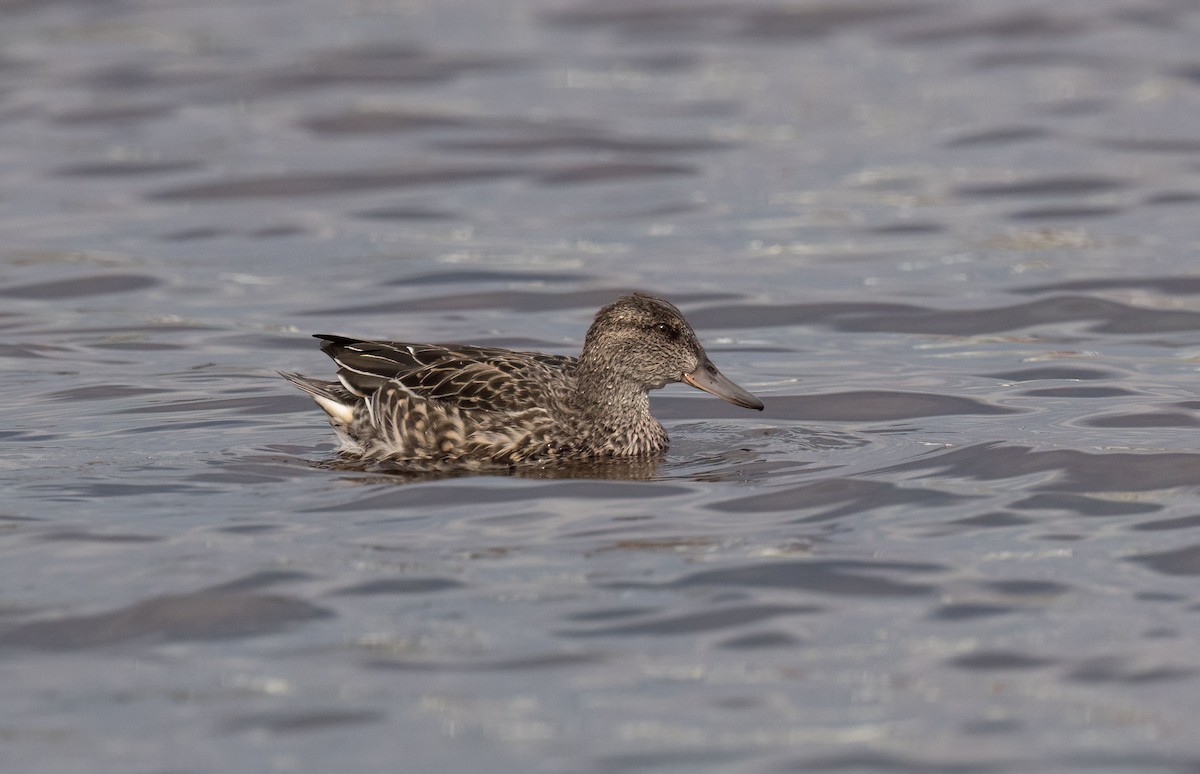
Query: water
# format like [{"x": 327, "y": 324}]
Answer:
[{"x": 952, "y": 246}]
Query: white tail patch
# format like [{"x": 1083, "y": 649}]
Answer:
[{"x": 338, "y": 411}]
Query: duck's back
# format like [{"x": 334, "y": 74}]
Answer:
[{"x": 470, "y": 378}]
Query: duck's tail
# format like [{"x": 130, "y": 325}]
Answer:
[{"x": 334, "y": 399}]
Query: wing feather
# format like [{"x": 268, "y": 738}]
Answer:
[{"x": 468, "y": 377}]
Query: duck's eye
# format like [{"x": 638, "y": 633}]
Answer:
[{"x": 666, "y": 329}]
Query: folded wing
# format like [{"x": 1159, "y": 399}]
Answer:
[{"x": 472, "y": 378}]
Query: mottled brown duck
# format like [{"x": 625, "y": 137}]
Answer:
[{"x": 452, "y": 404}]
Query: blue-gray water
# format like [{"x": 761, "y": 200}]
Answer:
[{"x": 953, "y": 245}]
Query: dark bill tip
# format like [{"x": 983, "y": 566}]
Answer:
[{"x": 709, "y": 379}]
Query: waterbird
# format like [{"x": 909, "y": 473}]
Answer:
[{"x": 450, "y": 404}]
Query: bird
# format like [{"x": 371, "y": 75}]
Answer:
[{"x": 464, "y": 405}]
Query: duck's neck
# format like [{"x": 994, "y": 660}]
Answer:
[
  {"x": 601, "y": 392},
  {"x": 616, "y": 411}
]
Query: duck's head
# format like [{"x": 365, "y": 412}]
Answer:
[{"x": 645, "y": 340}]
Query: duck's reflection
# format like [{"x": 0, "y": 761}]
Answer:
[{"x": 642, "y": 468}]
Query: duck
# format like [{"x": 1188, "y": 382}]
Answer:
[{"x": 450, "y": 404}]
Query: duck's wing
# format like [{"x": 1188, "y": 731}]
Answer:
[{"x": 473, "y": 378}]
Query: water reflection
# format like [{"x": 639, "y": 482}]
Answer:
[{"x": 635, "y": 469}]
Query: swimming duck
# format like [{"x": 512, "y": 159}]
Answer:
[{"x": 468, "y": 405}]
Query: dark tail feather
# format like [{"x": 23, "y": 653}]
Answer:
[{"x": 334, "y": 399}]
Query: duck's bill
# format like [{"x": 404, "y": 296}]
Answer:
[{"x": 709, "y": 379}]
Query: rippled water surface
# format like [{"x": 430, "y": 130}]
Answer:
[{"x": 952, "y": 245}]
